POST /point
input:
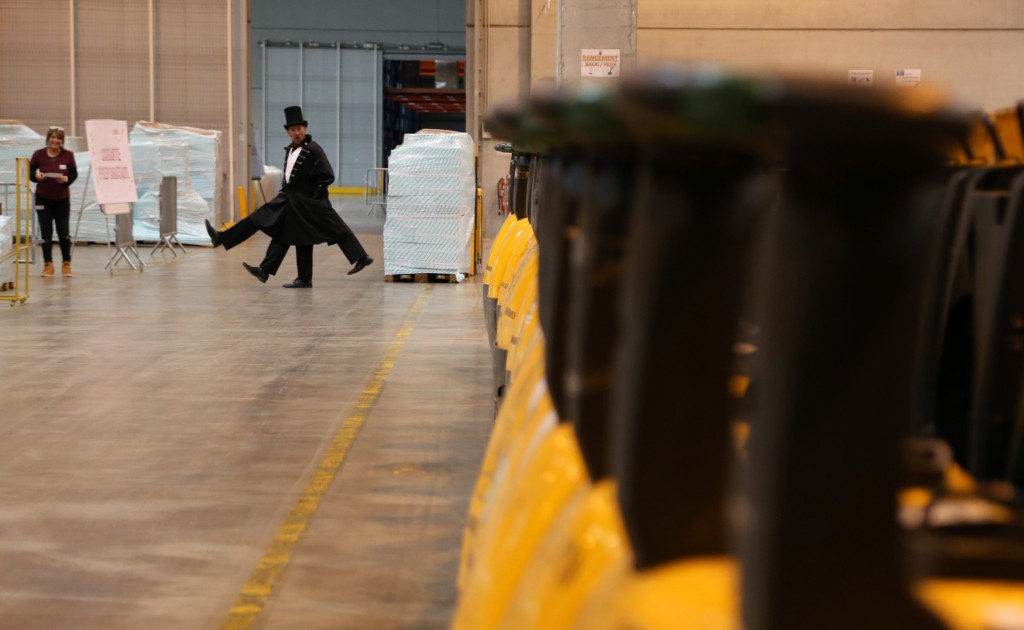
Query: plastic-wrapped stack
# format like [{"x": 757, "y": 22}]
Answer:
[
  {"x": 431, "y": 201},
  {"x": 6, "y": 248},
  {"x": 191, "y": 155},
  {"x": 16, "y": 141}
]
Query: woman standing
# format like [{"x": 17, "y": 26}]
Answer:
[{"x": 54, "y": 169}]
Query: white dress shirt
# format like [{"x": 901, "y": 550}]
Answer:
[{"x": 292, "y": 156}]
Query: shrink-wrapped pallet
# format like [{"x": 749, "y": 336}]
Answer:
[
  {"x": 431, "y": 201},
  {"x": 16, "y": 141},
  {"x": 189, "y": 154},
  {"x": 6, "y": 248}
]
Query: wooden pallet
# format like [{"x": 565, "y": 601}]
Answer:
[{"x": 421, "y": 277}]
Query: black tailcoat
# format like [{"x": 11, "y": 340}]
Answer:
[{"x": 301, "y": 214}]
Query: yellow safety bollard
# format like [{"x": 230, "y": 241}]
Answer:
[
  {"x": 242, "y": 208},
  {"x": 478, "y": 233}
]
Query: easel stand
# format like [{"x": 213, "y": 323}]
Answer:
[
  {"x": 169, "y": 217},
  {"x": 124, "y": 247},
  {"x": 81, "y": 209},
  {"x": 169, "y": 242}
]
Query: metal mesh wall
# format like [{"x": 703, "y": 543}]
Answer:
[
  {"x": 112, "y": 61},
  {"x": 112, "y": 38},
  {"x": 340, "y": 94},
  {"x": 35, "y": 70},
  {"x": 108, "y": 75},
  {"x": 361, "y": 107},
  {"x": 284, "y": 81},
  {"x": 192, "y": 74},
  {"x": 320, "y": 90}
]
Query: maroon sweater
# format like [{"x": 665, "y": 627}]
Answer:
[{"x": 63, "y": 164}]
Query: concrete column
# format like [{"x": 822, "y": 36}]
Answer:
[
  {"x": 514, "y": 47},
  {"x": 498, "y": 70},
  {"x": 543, "y": 42},
  {"x": 237, "y": 142},
  {"x": 603, "y": 29}
]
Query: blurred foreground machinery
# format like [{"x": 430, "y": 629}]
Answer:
[{"x": 758, "y": 355}]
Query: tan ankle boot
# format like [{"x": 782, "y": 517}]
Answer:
[
  {"x": 66, "y": 268},
  {"x": 47, "y": 270}
]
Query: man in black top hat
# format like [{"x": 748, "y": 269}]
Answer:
[{"x": 299, "y": 215}]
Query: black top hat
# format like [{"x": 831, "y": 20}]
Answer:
[{"x": 293, "y": 116}]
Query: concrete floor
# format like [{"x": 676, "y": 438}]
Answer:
[{"x": 159, "y": 432}]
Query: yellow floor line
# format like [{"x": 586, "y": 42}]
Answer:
[{"x": 254, "y": 594}]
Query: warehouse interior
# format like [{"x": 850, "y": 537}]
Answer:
[{"x": 734, "y": 335}]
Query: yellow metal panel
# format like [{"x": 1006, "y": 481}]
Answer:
[
  {"x": 695, "y": 594},
  {"x": 522, "y": 243},
  {"x": 523, "y": 509},
  {"x": 514, "y": 242},
  {"x": 522, "y": 289},
  {"x": 586, "y": 544},
  {"x": 497, "y": 245},
  {"x": 525, "y": 331},
  {"x": 975, "y": 604},
  {"x": 525, "y": 405},
  {"x": 1007, "y": 123}
]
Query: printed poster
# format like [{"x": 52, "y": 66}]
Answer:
[{"x": 111, "y": 164}]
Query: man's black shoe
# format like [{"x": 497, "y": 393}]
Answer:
[
  {"x": 214, "y": 234},
  {"x": 299, "y": 283},
  {"x": 361, "y": 264},
  {"x": 256, "y": 271}
]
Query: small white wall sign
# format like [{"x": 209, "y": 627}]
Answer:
[
  {"x": 860, "y": 77},
  {"x": 908, "y": 77},
  {"x": 600, "y": 62}
]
